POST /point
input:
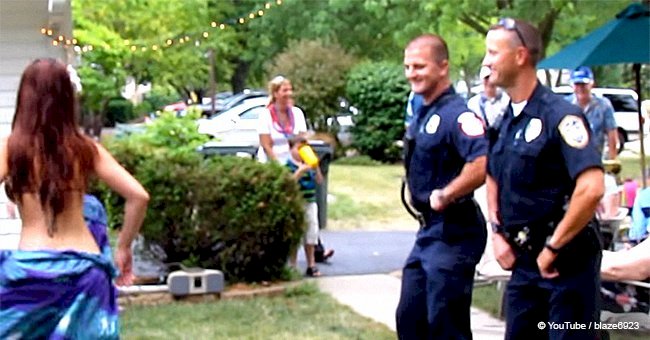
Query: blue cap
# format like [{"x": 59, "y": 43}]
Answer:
[{"x": 582, "y": 75}]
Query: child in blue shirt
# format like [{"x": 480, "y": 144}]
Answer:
[{"x": 307, "y": 178}]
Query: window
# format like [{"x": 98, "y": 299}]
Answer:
[
  {"x": 253, "y": 113},
  {"x": 622, "y": 102}
]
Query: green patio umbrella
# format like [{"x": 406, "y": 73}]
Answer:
[{"x": 623, "y": 40}]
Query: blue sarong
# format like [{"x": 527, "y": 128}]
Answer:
[{"x": 60, "y": 294}]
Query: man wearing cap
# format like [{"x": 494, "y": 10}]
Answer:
[
  {"x": 599, "y": 110},
  {"x": 491, "y": 103},
  {"x": 544, "y": 181}
]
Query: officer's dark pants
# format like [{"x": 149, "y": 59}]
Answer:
[
  {"x": 572, "y": 297},
  {"x": 437, "y": 281}
]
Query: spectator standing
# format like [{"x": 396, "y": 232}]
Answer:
[
  {"x": 598, "y": 110},
  {"x": 446, "y": 162},
  {"x": 281, "y": 122},
  {"x": 490, "y": 103},
  {"x": 544, "y": 182},
  {"x": 307, "y": 179}
]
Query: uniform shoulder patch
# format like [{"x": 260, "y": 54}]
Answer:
[
  {"x": 574, "y": 131},
  {"x": 470, "y": 124}
]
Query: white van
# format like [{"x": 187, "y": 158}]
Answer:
[{"x": 626, "y": 110}]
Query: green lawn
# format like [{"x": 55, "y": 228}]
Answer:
[
  {"x": 366, "y": 197},
  {"x": 631, "y": 167},
  {"x": 301, "y": 313}
]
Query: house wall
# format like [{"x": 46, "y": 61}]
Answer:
[{"x": 21, "y": 41}]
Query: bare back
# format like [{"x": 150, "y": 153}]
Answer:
[{"x": 72, "y": 232}]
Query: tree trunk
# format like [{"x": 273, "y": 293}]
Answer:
[{"x": 238, "y": 79}]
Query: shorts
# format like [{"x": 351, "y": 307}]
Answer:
[{"x": 311, "y": 217}]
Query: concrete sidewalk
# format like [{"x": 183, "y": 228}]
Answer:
[{"x": 376, "y": 296}]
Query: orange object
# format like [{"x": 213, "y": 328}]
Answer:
[{"x": 308, "y": 155}]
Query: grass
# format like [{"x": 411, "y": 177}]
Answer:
[
  {"x": 366, "y": 197},
  {"x": 631, "y": 167},
  {"x": 301, "y": 313}
]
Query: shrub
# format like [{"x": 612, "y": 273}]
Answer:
[
  {"x": 228, "y": 213},
  {"x": 379, "y": 91},
  {"x": 119, "y": 110}
]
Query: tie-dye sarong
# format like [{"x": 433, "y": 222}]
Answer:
[{"x": 60, "y": 294}]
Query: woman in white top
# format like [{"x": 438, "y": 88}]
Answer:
[{"x": 280, "y": 122}]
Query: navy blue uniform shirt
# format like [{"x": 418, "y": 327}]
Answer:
[
  {"x": 538, "y": 156},
  {"x": 447, "y": 135}
]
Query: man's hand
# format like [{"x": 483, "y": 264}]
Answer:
[
  {"x": 503, "y": 252},
  {"x": 545, "y": 261},
  {"x": 439, "y": 200}
]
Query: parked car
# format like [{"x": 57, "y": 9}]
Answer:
[
  {"x": 237, "y": 124},
  {"x": 230, "y": 102},
  {"x": 626, "y": 110}
]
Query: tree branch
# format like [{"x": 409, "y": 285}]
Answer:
[{"x": 477, "y": 24}]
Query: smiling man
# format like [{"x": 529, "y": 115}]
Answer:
[
  {"x": 544, "y": 182},
  {"x": 445, "y": 162},
  {"x": 598, "y": 110}
]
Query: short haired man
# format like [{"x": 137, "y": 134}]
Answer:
[
  {"x": 445, "y": 165},
  {"x": 544, "y": 182},
  {"x": 490, "y": 103},
  {"x": 599, "y": 110}
]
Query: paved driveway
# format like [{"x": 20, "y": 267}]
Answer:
[{"x": 364, "y": 252}]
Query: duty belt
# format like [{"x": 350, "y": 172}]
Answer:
[{"x": 528, "y": 237}]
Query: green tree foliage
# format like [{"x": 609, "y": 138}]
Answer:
[
  {"x": 317, "y": 72},
  {"x": 228, "y": 213},
  {"x": 379, "y": 91},
  {"x": 128, "y": 40}
]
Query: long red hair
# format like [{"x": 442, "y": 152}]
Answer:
[{"x": 47, "y": 154}]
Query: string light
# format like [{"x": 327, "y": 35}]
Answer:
[{"x": 60, "y": 40}]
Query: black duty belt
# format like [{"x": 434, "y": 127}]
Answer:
[
  {"x": 429, "y": 215},
  {"x": 529, "y": 237}
]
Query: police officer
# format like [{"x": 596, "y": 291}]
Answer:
[
  {"x": 447, "y": 162},
  {"x": 544, "y": 182}
]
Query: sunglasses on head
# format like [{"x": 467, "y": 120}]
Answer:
[
  {"x": 511, "y": 25},
  {"x": 278, "y": 80}
]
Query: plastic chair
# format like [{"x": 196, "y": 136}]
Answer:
[{"x": 610, "y": 228}]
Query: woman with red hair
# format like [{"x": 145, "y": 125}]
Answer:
[{"x": 58, "y": 283}]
